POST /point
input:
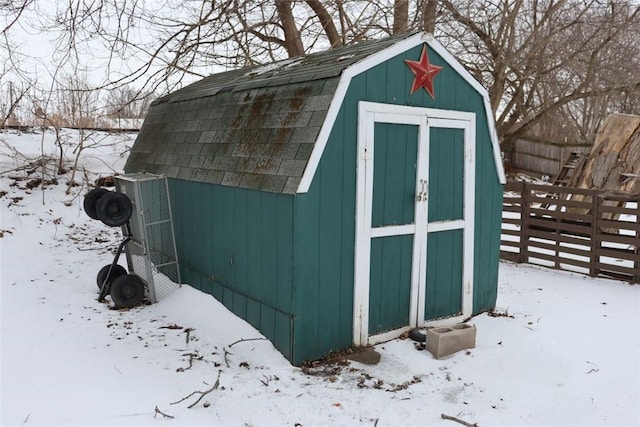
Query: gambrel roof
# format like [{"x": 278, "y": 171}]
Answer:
[{"x": 263, "y": 127}]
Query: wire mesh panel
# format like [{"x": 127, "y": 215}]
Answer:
[{"x": 151, "y": 253}]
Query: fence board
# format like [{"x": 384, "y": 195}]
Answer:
[
  {"x": 624, "y": 225},
  {"x": 548, "y": 225},
  {"x": 618, "y": 238},
  {"x": 563, "y": 203},
  {"x": 565, "y": 261},
  {"x": 559, "y": 249},
  {"x": 567, "y": 216},
  {"x": 616, "y": 268},
  {"x": 618, "y": 253},
  {"x": 565, "y": 232},
  {"x": 511, "y": 232},
  {"x": 561, "y": 238},
  {"x": 620, "y": 210}
]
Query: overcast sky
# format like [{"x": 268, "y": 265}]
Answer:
[{"x": 35, "y": 49}]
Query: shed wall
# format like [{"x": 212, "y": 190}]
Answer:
[
  {"x": 324, "y": 230},
  {"x": 237, "y": 244}
]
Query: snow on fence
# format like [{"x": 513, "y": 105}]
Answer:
[{"x": 589, "y": 231}]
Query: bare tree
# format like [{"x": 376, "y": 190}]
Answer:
[
  {"x": 14, "y": 96},
  {"x": 538, "y": 56},
  {"x": 11, "y": 11},
  {"x": 429, "y": 15},
  {"x": 78, "y": 100},
  {"x": 127, "y": 103},
  {"x": 550, "y": 66},
  {"x": 14, "y": 85},
  {"x": 189, "y": 40}
]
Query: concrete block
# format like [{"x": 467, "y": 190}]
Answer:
[{"x": 442, "y": 342}]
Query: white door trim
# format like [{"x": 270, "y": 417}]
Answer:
[{"x": 368, "y": 114}]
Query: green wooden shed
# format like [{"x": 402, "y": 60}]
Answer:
[{"x": 335, "y": 199}]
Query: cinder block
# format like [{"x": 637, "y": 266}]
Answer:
[{"x": 442, "y": 342}]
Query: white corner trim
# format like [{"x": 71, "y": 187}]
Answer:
[
  {"x": 370, "y": 62},
  {"x": 323, "y": 135}
]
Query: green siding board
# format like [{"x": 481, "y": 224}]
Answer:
[
  {"x": 330, "y": 260},
  {"x": 446, "y": 174},
  {"x": 225, "y": 244},
  {"x": 348, "y": 233},
  {"x": 488, "y": 219},
  {"x": 376, "y": 80},
  {"x": 306, "y": 278},
  {"x": 241, "y": 225},
  {"x": 487, "y": 243},
  {"x": 397, "y": 86},
  {"x": 266, "y": 253},
  {"x": 240, "y": 306},
  {"x": 268, "y": 324},
  {"x": 282, "y": 332},
  {"x": 227, "y": 298},
  {"x": 395, "y": 156},
  {"x": 218, "y": 290},
  {"x": 443, "y": 295},
  {"x": 254, "y": 244},
  {"x": 253, "y": 313},
  {"x": 207, "y": 285},
  {"x": 390, "y": 283},
  {"x": 284, "y": 260}
]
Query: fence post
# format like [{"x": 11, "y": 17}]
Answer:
[
  {"x": 523, "y": 256},
  {"x": 595, "y": 236}
]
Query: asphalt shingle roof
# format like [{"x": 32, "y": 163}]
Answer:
[{"x": 253, "y": 127}]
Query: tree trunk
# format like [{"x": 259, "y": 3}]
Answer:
[
  {"x": 292, "y": 40},
  {"x": 400, "y": 16},
  {"x": 429, "y": 14},
  {"x": 326, "y": 21},
  {"x": 614, "y": 161}
]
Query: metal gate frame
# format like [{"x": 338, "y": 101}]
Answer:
[{"x": 151, "y": 253}]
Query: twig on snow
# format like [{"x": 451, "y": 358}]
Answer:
[
  {"x": 192, "y": 357},
  {"x": 188, "y": 332},
  {"x": 158, "y": 411},
  {"x": 226, "y": 353},
  {"x": 458, "y": 420},
  {"x": 202, "y": 393},
  {"x": 246, "y": 339}
]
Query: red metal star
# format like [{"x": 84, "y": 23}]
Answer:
[{"x": 424, "y": 73}]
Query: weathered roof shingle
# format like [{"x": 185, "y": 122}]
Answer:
[{"x": 251, "y": 128}]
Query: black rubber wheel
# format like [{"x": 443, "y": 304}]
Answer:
[
  {"x": 127, "y": 291},
  {"x": 114, "y": 209},
  {"x": 91, "y": 199},
  {"x": 117, "y": 271}
]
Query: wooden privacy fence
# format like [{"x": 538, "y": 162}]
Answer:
[{"x": 589, "y": 231}]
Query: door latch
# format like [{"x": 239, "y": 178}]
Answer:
[{"x": 422, "y": 194}]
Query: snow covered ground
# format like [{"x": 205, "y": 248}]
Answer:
[{"x": 567, "y": 354}]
